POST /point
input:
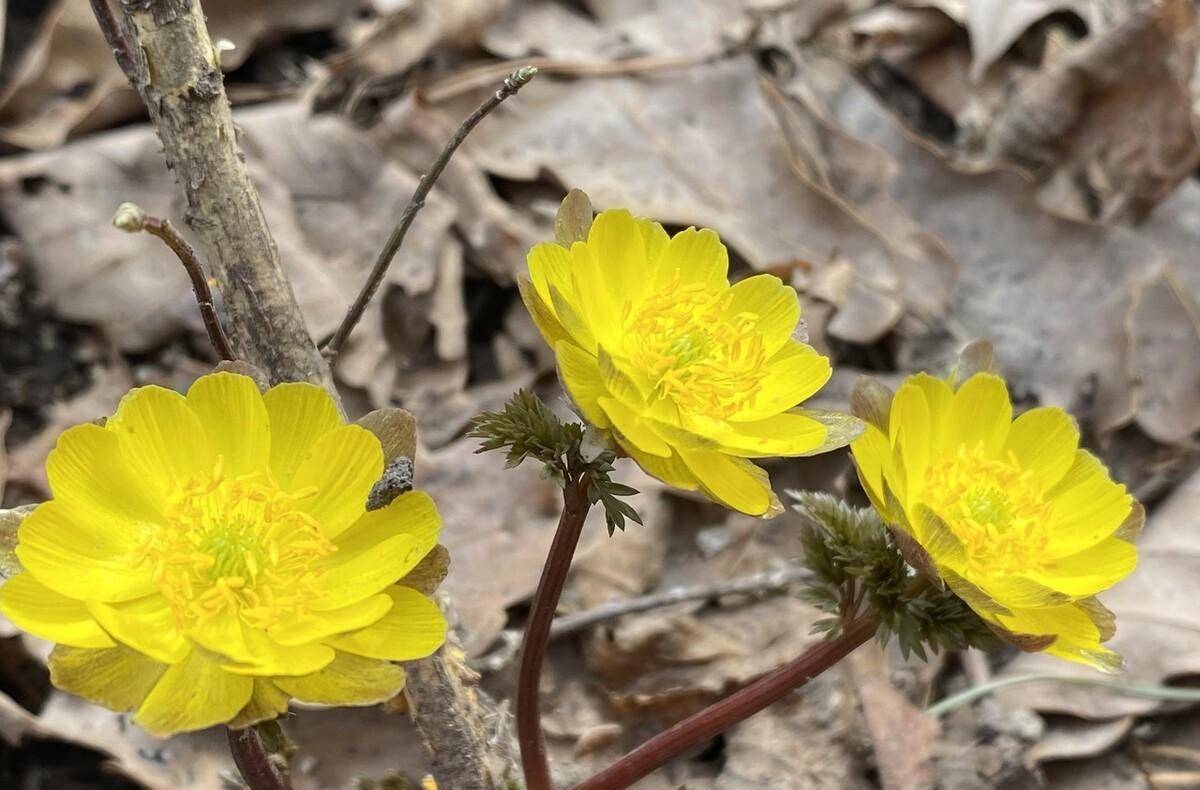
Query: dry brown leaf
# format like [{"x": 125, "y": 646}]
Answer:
[
  {"x": 318, "y": 177},
  {"x": 1025, "y": 278},
  {"x": 641, "y": 143},
  {"x": 70, "y": 82},
  {"x": 800, "y": 741},
  {"x": 995, "y": 25},
  {"x": 1076, "y": 738},
  {"x": 903, "y": 736},
  {"x": 1163, "y": 359},
  {"x": 1075, "y": 119}
]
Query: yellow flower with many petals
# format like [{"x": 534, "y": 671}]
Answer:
[
  {"x": 690, "y": 375},
  {"x": 206, "y": 558},
  {"x": 1018, "y": 521}
]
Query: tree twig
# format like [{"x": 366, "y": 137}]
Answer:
[
  {"x": 723, "y": 714},
  {"x": 537, "y": 634},
  {"x": 114, "y": 37},
  {"x": 771, "y": 581},
  {"x": 513, "y": 83},
  {"x": 755, "y": 584},
  {"x": 131, "y": 219},
  {"x": 178, "y": 76},
  {"x": 254, "y": 762}
]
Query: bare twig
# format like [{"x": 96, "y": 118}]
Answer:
[
  {"x": 513, "y": 83},
  {"x": 756, "y": 584},
  {"x": 759, "y": 583},
  {"x": 114, "y": 37},
  {"x": 476, "y": 77},
  {"x": 254, "y": 762},
  {"x": 177, "y": 74},
  {"x": 131, "y": 219}
]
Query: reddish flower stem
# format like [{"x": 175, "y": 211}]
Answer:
[
  {"x": 254, "y": 762},
  {"x": 537, "y": 634},
  {"x": 723, "y": 714}
]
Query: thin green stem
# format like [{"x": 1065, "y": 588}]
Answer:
[{"x": 1162, "y": 693}]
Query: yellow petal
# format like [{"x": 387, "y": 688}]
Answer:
[
  {"x": 550, "y": 267},
  {"x": 1088, "y": 507},
  {"x": 579, "y": 373},
  {"x": 76, "y": 554},
  {"x": 145, "y": 624},
  {"x": 363, "y": 568},
  {"x": 267, "y": 701},
  {"x": 796, "y": 373},
  {"x": 412, "y": 513},
  {"x": 413, "y": 628},
  {"x": 695, "y": 256},
  {"x": 656, "y": 241},
  {"x": 224, "y": 635},
  {"x": 980, "y": 415},
  {"x": 786, "y": 434},
  {"x": 618, "y": 381},
  {"x": 35, "y": 608},
  {"x": 872, "y": 455},
  {"x": 1019, "y": 592},
  {"x": 776, "y": 306},
  {"x": 939, "y": 398},
  {"x": 542, "y": 313},
  {"x": 597, "y": 304},
  {"x": 274, "y": 659},
  {"x": 348, "y": 680},
  {"x": 191, "y": 695},
  {"x": 1076, "y": 637},
  {"x": 910, "y": 428},
  {"x": 632, "y": 427},
  {"x": 343, "y": 465},
  {"x": 733, "y": 482},
  {"x": 672, "y": 471},
  {"x": 1044, "y": 440},
  {"x": 316, "y": 626},
  {"x": 619, "y": 250},
  {"x": 1091, "y": 570},
  {"x": 162, "y": 439},
  {"x": 230, "y": 408},
  {"x": 299, "y": 414},
  {"x": 117, "y": 678},
  {"x": 87, "y": 469},
  {"x": 573, "y": 319}
]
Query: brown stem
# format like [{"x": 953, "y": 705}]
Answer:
[
  {"x": 114, "y": 37},
  {"x": 254, "y": 762},
  {"x": 537, "y": 634},
  {"x": 723, "y": 714},
  {"x": 131, "y": 219},
  {"x": 513, "y": 83}
]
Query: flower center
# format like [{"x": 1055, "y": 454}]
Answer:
[
  {"x": 994, "y": 507},
  {"x": 683, "y": 339},
  {"x": 240, "y": 545}
]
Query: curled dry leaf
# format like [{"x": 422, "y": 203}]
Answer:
[
  {"x": 609, "y": 137},
  {"x": 1073, "y": 116}
]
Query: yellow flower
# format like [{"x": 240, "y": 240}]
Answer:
[
  {"x": 1020, "y": 522},
  {"x": 691, "y": 376},
  {"x": 206, "y": 558}
]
